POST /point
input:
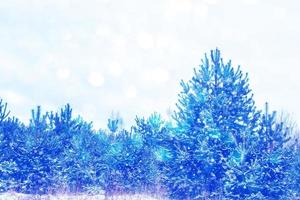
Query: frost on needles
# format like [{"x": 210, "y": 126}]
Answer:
[
  {"x": 217, "y": 146},
  {"x": 224, "y": 147}
]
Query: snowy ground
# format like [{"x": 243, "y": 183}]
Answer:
[{"x": 17, "y": 196}]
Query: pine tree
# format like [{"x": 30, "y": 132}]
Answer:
[
  {"x": 35, "y": 154},
  {"x": 78, "y": 165},
  {"x": 9, "y": 127},
  {"x": 154, "y": 133},
  {"x": 215, "y": 113},
  {"x": 277, "y": 150},
  {"x": 126, "y": 160},
  {"x": 261, "y": 166},
  {"x": 79, "y": 152}
]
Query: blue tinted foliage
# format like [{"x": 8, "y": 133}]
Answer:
[
  {"x": 215, "y": 115},
  {"x": 296, "y": 171},
  {"x": 266, "y": 167},
  {"x": 217, "y": 146},
  {"x": 224, "y": 147}
]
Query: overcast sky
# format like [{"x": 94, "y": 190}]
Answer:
[{"x": 128, "y": 56}]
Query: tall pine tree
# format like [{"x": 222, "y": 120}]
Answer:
[{"x": 215, "y": 113}]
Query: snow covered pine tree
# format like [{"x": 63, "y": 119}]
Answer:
[
  {"x": 261, "y": 166},
  {"x": 217, "y": 128},
  {"x": 9, "y": 128}
]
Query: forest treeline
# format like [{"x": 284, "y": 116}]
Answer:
[{"x": 218, "y": 145}]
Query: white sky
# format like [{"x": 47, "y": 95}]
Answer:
[{"x": 129, "y": 56}]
